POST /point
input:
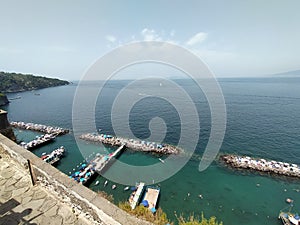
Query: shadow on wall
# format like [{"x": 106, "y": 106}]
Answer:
[{"x": 8, "y": 216}]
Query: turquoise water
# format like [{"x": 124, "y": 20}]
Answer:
[{"x": 263, "y": 121}]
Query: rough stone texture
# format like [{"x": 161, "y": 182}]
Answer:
[
  {"x": 22, "y": 203},
  {"x": 56, "y": 199}
]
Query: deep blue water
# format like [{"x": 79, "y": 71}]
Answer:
[{"x": 263, "y": 120}]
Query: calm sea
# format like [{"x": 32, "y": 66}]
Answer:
[{"x": 263, "y": 121}]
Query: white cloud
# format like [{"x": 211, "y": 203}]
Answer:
[
  {"x": 150, "y": 35},
  {"x": 111, "y": 38},
  {"x": 197, "y": 38}
]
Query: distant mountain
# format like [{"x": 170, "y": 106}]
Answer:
[
  {"x": 294, "y": 73},
  {"x": 16, "y": 82}
]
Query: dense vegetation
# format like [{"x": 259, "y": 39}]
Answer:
[
  {"x": 192, "y": 220},
  {"x": 160, "y": 217},
  {"x": 15, "y": 82}
]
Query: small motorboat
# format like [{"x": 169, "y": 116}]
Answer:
[
  {"x": 288, "y": 200},
  {"x": 161, "y": 160},
  {"x": 126, "y": 188},
  {"x": 105, "y": 183},
  {"x": 114, "y": 187},
  {"x": 97, "y": 182}
]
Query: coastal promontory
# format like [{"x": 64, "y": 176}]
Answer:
[
  {"x": 3, "y": 99},
  {"x": 17, "y": 82}
]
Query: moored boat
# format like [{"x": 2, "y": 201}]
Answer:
[
  {"x": 161, "y": 160},
  {"x": 289, "y": 218},
  {"x": 54, "y": 156},
  {"x": 105, "y": 183}
]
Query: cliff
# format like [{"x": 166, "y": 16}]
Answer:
[
  {"x": 5, "y": 127},
  {"x": 16, "y": 82},
  {"x": 3, "y": 100}
]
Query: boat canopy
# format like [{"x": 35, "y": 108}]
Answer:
[{"x": 145, "y": 203}]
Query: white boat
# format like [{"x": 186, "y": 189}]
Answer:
[
  {"x": 97, "y": 182},
  {"x": 105, "y": 183},
  {"x": 126, "y": 188},
  {"x": 288, "y": 218},
  {"x": 161, "y": 160},
  {"x": 113, "y": 187}
]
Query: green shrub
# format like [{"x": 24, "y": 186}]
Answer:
[
  {"x": 159, "y": 218},
  {"x": 192, "y": 220}
]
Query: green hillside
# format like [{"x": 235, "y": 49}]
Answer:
[{"x": 16, "y": 82}]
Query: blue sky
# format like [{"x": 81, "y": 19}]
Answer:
[{"x": 234, "y": 38}]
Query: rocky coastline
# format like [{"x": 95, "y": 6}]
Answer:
[{"x": 3, "y": 100}]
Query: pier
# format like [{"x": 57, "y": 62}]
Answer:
[
  {"x": 262, "y": 165},
  {"x": 102, "y": 162},
  {"x": 40, "y": 128},
  {"x": 97, "y": 164},
  {"x": 136, "y": 145},
  {"x": 136, "y": 195},
  {"x": 39, "y": 141}
]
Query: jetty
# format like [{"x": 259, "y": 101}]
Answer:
[
  {"x": 40, "y": 128},
  {"x": 38, "y": 141},
  {"x": 98, "y": 164},
  {"x": 84, "y": 174},
  {"x": 262, "y": 165},
  {"x": 102, "y": 162},
  {"x": 137, "y": 145},
  {"x": 135, "y": 197}
]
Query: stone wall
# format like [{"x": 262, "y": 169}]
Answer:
[{"x": 68, "y": 190}]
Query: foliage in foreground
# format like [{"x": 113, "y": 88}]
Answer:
[
  {"x": 159, "y": 218},
  {"x": 192, "y": 220}
]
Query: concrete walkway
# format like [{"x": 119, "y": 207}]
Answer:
[{"x": 22, "y": 203}]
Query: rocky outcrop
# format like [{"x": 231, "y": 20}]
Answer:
[
  {"x": 5, "y": 127},
  {"x": 3, "y": 100}
]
